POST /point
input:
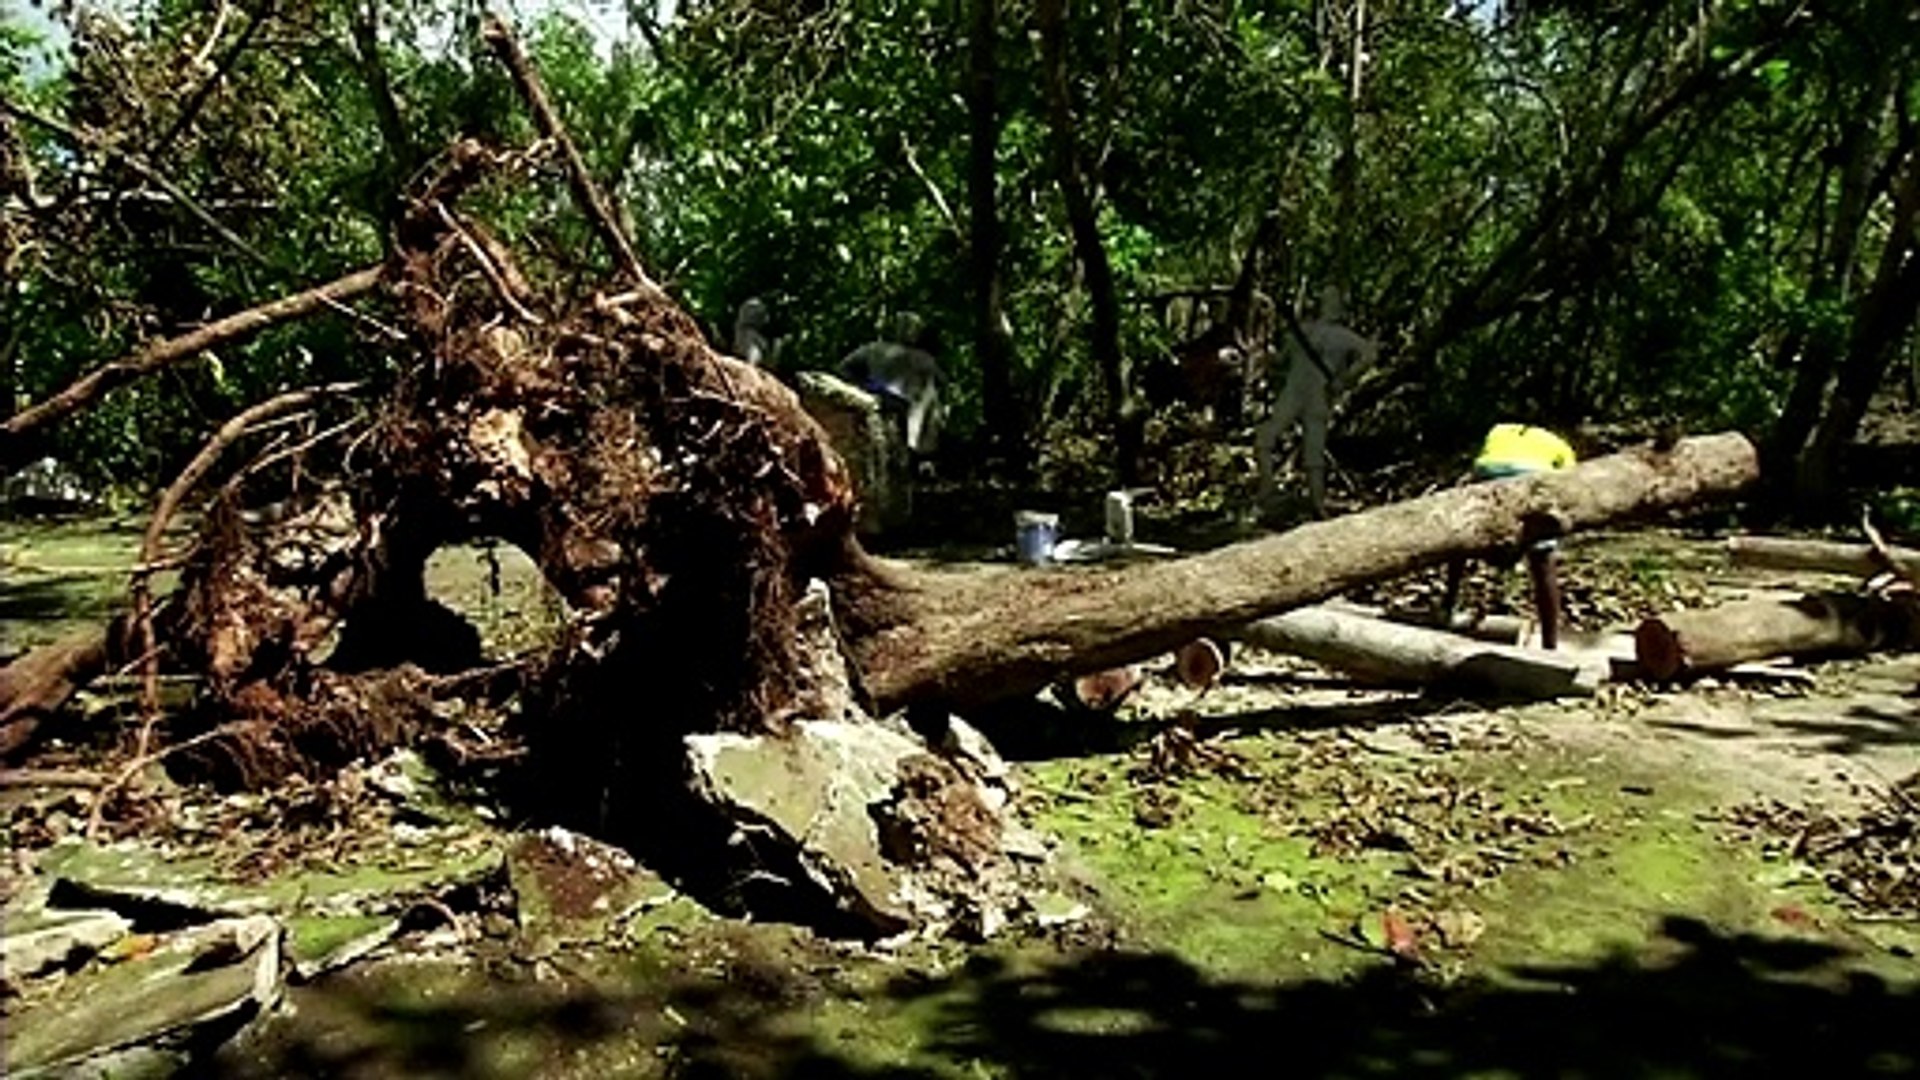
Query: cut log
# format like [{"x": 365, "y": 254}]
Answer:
[
  {"x": 1199, "y": 663},
  {"x": 1102, "y": 691},
  {"x": 1819, "y": 624},
  {"x": 1395, "y": 653},
  {"x": 37, "y": 684},
  {"x": 966, "y": 641},
  {"x": 1825, "y": 556}
]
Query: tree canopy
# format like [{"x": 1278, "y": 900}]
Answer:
[{"x": 1702, "y": 213}]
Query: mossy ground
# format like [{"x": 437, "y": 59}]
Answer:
[{"x": 1386, "y": 887}]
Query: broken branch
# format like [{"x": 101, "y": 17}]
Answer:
[
  {"x": 109, "y": 376},
  {"x": 1395, "y": 653},
  {"x": 36, "y": 684},
  {"x": 593, "y": 202},
  {"x": 1824, "y": 556}
]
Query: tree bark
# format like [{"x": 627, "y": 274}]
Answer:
[
  {"x": 1859, "y": 560},
  {"x": 1076, "y": 190},
  {"x": 992, "y": 341},
  {"x": 1885, "y": 315},
  {"x": 963, "y": 642},
  {"x": 1813, "y": 354},
  {"x": 16, "y": 431},
  {"x": 1818, "y": 624},
  {"x": 34, "y": 686},
  {"x": 1397, "y": 653}
]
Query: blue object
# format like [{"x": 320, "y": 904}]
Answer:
[{"x": 1034, "y": 536}]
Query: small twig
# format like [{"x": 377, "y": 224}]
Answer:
[
  {"x": 939, "y": 199},
  {"x": 392, "y": 333},
  {"x": 141, "y": 761},
  {"x": 49, "y": 778},
  {"x": 493, "y": 274},
  {"x": 301, "y": 447}
]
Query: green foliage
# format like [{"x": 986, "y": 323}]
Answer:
[{"x": 1565, "y": 215}]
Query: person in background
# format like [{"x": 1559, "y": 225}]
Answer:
[
  {"x": 1324, "y": 357},
  {"x": 1512, "y": 450},
  {"x": 1519, "y": 449},
  {"x": 906, "y": 379}
]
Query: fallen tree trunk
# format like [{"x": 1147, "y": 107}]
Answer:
[
  {"x": 37, "y": 684},
  {"x": 971, "y": 642},
  {"x": 1500, "y": 629},
  {"x": 1396, "y": 653},
  {"x": 1825, "y": 556},
  {"x": 1819, "y": 624}
]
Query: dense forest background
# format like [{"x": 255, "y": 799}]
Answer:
[{"x": 1700, "y": 213}]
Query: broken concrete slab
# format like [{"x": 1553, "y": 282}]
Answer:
[
  {"x": 898, "y": 835},
  {"x": 317, "y": 944},
  {"x": 174, "y": 890},
  {"x": 40, "y": 940},
  {"x": 221, "y": 973},
  {"x": 129, "y": 876},
  {"x": 813, "y": 790},
  {"x": 571, "y": 889}
]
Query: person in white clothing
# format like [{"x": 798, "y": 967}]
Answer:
[
  {"x": 1319, "y": 369},
  {"x": 907, "y": 380}
]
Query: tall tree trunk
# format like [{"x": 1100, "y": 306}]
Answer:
[
  {"x": 1346, "y": 168},
  {"x": 1123, "y": 417},
  {"x": 1816, "y": 353},
  {"x": 1885, "y": 316},
  {"x": 992, "y": 337},
  {"x": 961, "y": 641},
  {"x": 402, "y": 154}
]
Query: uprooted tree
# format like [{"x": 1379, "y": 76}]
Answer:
[{"x": 682, "y": 502}]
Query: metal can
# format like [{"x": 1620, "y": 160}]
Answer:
[{"x": 1034, "y": 535}]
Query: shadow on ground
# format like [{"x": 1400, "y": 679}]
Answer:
[
  {"x": 1850, "y": 730},
  {"x": 1710, "y": 1005},
  {"x": 46, "y": 599}
]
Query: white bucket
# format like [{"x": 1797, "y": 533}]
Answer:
[
  {"x": 1120, "y": 518},
  {"x": 1034, "y": 535}
]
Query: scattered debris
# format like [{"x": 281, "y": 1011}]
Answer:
[
  {"x": 572, "y": 890},
  {"x": 1869, "y": 857}
]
